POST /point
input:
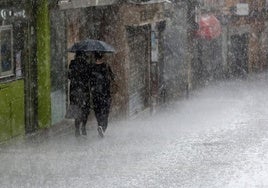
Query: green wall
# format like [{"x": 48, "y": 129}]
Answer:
[
  {"x": 12, "y": 101},
  {"x": 43, "y": 64},
  {"x": 12, "y": 109}
]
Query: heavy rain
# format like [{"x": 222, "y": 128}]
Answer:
[{"x": 133, "y": 93}]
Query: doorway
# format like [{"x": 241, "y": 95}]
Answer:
[
  {"x": 139, "y": 61},
  {"x": 239, "y": 55}
]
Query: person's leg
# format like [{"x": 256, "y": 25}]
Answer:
[
  {"x": 101, "y": 108},
  {"x": 98, "y": 115},
  {"x": 77, "y": 126},
  {"x": 105, "y": 114},
  {"x": 85, "y": 112},
  {"x": 105, "y": 122},
  {"x": 104, "y": 118},
  {"x": 83, "y": 128}
]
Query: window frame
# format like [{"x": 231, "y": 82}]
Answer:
[{"x": 11, "y": 72}]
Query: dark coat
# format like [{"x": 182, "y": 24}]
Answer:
[
  {"x": 79, "y": 74},
  {"x": 100, "y": 81}
]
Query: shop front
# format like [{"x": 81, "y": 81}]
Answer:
[
  {"x": 13, "y": 59},
  {"x": 143, "y": 24}
]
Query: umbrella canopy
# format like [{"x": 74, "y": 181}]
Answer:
[
  {"x": 209, "y": 27},
  {"x": 90, "y": 45}
]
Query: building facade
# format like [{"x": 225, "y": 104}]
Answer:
[
  {"x": 13, "y": 32},
  {"x": 24, "y": 72},
  {"x": 242, "y": 44},
  {"x": 34, "y": 58},
  {"x": 179, "y": 45}
]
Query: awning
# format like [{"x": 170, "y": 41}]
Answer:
[
  {"x": 209, "y": 27},
  {"x": 71, "y": 4}
]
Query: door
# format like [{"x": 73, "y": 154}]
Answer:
[
  {"x": 239, "y": 55},
  {"x": 138, "y": 89}
]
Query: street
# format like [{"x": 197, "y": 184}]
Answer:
[{"x": 216, "y": 138}]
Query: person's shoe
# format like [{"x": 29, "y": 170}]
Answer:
[
  {"x": 84, "y": 131},
  {"x": 100, "y": 131},
  {"x": 77, "y": 132}
]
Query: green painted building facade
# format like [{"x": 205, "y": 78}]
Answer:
[{"x": 25, "y": 85}]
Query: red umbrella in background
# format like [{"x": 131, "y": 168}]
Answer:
[{"x": 209, "y": 27}]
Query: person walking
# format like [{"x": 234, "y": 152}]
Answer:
[
  {"x": 79, "y": 74},
  {"x": 100, "y": 82}
]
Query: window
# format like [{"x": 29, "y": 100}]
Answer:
[{"x": 6, "y": 49}]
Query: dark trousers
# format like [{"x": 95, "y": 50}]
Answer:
[
  {"x": 82, "y": 99},
  {"x": 102, "y": 109},
  {"x": 84, "y": 117}
]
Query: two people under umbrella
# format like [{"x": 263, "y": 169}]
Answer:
[{"x": 94, "y": 78}]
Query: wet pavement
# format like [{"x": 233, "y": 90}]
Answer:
[{"x": 216, "y": 138}]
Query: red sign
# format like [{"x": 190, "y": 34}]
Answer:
[{"x": 209, "y": 27}]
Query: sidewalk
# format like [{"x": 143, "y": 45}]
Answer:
[
  {"x": 66, "y": 126},
  {"x": 61, "y": 128}
]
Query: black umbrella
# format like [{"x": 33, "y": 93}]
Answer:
[{"x": 90, "y": 45}]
